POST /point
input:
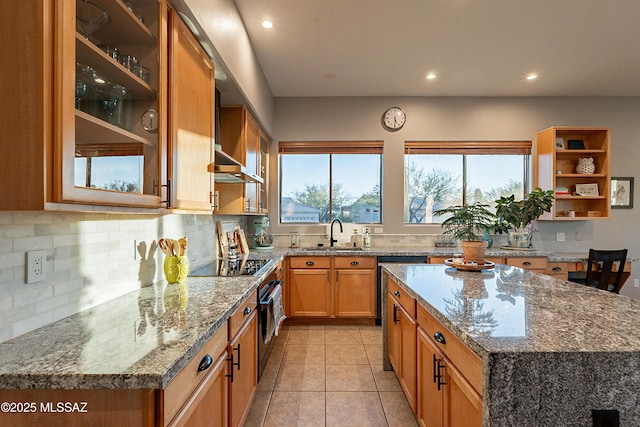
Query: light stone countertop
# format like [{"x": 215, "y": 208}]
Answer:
[
  {"x": 129, "y": 343},
  {"x": 552, "y": 350}
]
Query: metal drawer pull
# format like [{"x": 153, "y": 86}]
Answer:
[
  {"x": 310, "y": 263},
  {"x": 205, "y": 363},
  {"x": 526, "y": 263},
  {"x": 396, "y": 293},
  {"x": 354, "y": 263},
  {"x": 557, "y": 268},
  {"x": 395, "y": 314},
  {"x": 247, "y": 310},
  {"x": 438, "y": 336},
  {"x": 230, "y": 374}
]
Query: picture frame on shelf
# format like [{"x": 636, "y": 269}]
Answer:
[
  {"x": 559, "y": 143},
  {"x": 587, "y": 189},
  {"x": 575, "y": 144},
  {"x": 622, "y": 192}
]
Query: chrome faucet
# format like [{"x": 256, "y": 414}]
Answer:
[{"x": 331, "y": 239}]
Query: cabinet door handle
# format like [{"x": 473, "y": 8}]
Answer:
[
  {"x": 238, "y": 350},
  {"x": 527, "y": 263},
  {"x": 557, "y": 268},
  {"x": 310, "y": 263},
  {"x": 354, "y": 263},
  {"x": 397, "y": 293},
  {"x": 205, "y": 363},
  {"x": 395, "y": 314},
  {"x": 230, "y": 374},
  {"x": 438, "y": 336},
  {"x": 439, "y": 366}
]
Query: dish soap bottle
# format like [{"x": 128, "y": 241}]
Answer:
[
  {"x": 366, "y": 239},
  {"x": 356, "y": 239}
]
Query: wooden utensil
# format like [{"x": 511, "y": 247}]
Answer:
[
  {"x": 163, "y": 244},
  {"x": 175, "y": 245},
  {"x": 183, "y": 245}
]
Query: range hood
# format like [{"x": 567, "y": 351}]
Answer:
[{"x": 227, "y": 170}]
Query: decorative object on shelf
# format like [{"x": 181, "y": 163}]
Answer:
[
  {"x": 85, "y": 79},
  {"x": 622, "y": 192},
  {"x": 111, "y": 94},
  {"x": 112, "y": 51},
  {"x": 465, "y": 223},
  {"x": 575, "y": 144},
  {"x": 150, "y": 120},
  {"x": 517, "y": 217},
  {"x": 393, "y": 119},
  {"x": 89, "y": 17},
  {"x": 587, "y": 189},
  {"x": 586, "y": 166},
  {"x": 559, "y": 143}
]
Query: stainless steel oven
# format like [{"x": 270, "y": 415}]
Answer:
[{"x": 264, "y": 298}]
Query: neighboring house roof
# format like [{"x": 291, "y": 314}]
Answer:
[{"x": 290, "y": 205}]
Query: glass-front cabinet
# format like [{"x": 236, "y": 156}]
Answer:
[{"x": 113, "y": 153}]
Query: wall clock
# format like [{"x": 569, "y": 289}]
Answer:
[
  {"x": 150, "y": 120},
  {"x": 393, "y": 119}
]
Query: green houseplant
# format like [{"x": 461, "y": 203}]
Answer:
[
  {"x": 466, "y": 224},
  {"x": 517, "y": 217}
]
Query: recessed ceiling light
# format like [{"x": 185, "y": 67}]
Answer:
[
  {"x": 267, "y": 24},
  {"x": 431, "y": 76},
  {"x": 532, "y": 76}
]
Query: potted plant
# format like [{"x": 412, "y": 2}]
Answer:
[
  {"x": 466, "y": 224},
  {"x": 517, "y": 217}
]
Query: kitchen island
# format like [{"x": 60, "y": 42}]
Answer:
[{"x": 550, "y": 351}]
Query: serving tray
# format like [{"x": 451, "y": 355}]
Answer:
[{"x": 462, "y": 266}]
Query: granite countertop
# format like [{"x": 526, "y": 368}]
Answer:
[
  {"x": 508, "y": 309},
  {"x": 140, "y": 340},
  {"x": 552, "y": 351}
]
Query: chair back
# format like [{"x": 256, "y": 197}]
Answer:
[{"x": 600, "y": 269}]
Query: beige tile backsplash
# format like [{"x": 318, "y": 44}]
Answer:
[{"x": 90, "y": 258}]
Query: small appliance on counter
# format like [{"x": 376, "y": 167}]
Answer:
[{"x": 262, "y": 240}]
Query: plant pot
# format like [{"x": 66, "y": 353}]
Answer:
[{"x": 474, "y": 251}]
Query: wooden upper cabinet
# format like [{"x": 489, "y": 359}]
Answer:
[
  {"x": 242, "y": 138},
  {"x": 72, "y": 133},
  {"x": 191, "y": 119},
  {"x": 558, "y": 150}
]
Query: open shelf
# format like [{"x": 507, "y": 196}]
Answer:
[
  {"x": 124, "y": 27},
  {"x": 92, "y": 130}
]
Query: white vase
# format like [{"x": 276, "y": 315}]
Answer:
[{"x": 586, "y": 166}]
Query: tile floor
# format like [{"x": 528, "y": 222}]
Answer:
[{"x": 329, "y": 375}]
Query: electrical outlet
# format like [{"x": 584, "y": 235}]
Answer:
[
  {"x": 35, "y": 266},
  {"x": 366, "y": 230},
  {"x": 559, "y": 237},
  {"x": 378, "y": 230},
  {"x": 636, "y": 283}
]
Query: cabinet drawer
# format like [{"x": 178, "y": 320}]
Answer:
[
  {"x": 310, "y": 262},
  {"x": 560, "y": 269},
  {"x": 406, "y": 301},
  {"x": 237, "y": 319},
  {"x": 181, "y": 387},
  {"x": 465, "y": 360},
  {"x": 528, "y": 263},
  {"x": 355, "y": 262}
]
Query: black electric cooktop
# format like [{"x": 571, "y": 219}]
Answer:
[{"x": 230, "y": 267}]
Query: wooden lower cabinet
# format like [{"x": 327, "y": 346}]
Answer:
[
  {"x": 334, "y": 286},
  {"x": 449, "y": 377},
  {"x": 402, "y": 345},
  {"x": 243, "y": 375}
]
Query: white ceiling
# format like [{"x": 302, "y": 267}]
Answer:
[{"x": 476, "y": 47}]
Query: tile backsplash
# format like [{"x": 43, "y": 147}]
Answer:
[{"x": 90, "y": 258}]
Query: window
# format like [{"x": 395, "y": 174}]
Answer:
[
  {"x": 108, "y": 168},
  {"x": 442, "y": 174},
  {"x": 322, "y": 181}
]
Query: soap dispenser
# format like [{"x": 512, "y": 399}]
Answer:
[
  {"x": 366, "y": 240},
  {"x": 356, "y": 239}
]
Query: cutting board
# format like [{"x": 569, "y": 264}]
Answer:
[{"x": 226, "y": 232}]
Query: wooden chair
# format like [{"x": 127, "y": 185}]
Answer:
[{"x": 600, "y": 273}]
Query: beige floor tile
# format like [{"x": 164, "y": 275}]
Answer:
[
  {"x": 258, "y": 409},
  {"x": 342, "y": 336},
  {"x": 301, "y": 378},
  {"x": 361, "y": 409},
  {"x": 301, "y": 326},
  {"x": 345, "y": 354},
  {"x": 310, "y": 354},
  {"x": 385, "y": 380},
  {"x": 350, "y": 378},
  {"x": 338, "y": 327},
  {"x": 306, "y": 336},
  {"x": 397, "y": 409},
  {"x": 269, "y": 376},
  {"x": 374, "y": 353},
  {"x": 295, "y": 409},
  {"x": 371, "y": 336}
]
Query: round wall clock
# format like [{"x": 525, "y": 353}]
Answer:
[{"x": 393, "y": 119}]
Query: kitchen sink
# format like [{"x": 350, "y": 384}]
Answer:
[{"x": 333, "y": 249}]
